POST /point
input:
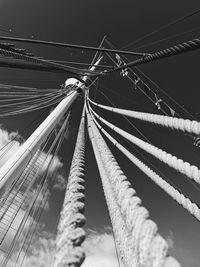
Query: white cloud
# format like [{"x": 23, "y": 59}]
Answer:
[
  {"x": 60, "y": 182},
  {"x": 100, "y": 251},
  {"x": 10, "y": 143},
  {"x": 8, "y": 148},
  {"x": 100, "y": 248},
  {"x": 171, "y": 262},
  {"x": 42, "y": 251},
  {"x": 54, "y": 165}
]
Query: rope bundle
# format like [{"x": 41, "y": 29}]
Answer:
[
  {"x": 191, "y": 207},
  {"x": 178, "y": 164},
  {"x": 141, "y": 244},
  {"x": 166, "y": 121}
]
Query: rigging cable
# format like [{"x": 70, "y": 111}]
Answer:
[
  {"x": 82, "y": 47},
  {"x": 179, "y": 165},
  {"x": 172, "y": 23},
  {"x": 184, "y": 47},
  {"x": 185, "y": 202},
  {"x": 129, "y": 218},
  {"x": 39, "y": 190},
  {"x": 132, "y": 125},
  {"x": 168, "y": 38},
  {"x": 165, "y": 121}
]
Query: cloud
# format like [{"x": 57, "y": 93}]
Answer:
[
  {"x": 40, "y": 253},
  {"x": 100, "y": 251},
  {"x": 9, "y": 144},
  {"x": 171, "y": 262},
  {"x": 60, "y": 182},
  {"x": 41, "y": 200},
  {"x": 7, "y": 149},
  {"x": 99, "y": 247},
  {"x": 53, "y": 166}
]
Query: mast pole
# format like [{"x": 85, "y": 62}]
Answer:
[{"x": 10, "y": 171}]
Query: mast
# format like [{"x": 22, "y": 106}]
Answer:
[{"x": 16, "y": 164}]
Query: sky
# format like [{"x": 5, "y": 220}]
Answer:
[{"x": 86, "y": 22}]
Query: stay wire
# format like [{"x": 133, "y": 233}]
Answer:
[
  {"x": 23, "y": 130},
  {"x": 158, "y": 87},
  {"x": 39, "y": 191},
  {"x": 79, "y": 47},
  {"x": 96, "y": 54},
  {"x": 172, "y": 23},
  {"x": 132, "y": 81},
  {"x": 191, "y": 182},
  {"x": 41, "y": 210},
  {"x": 158, "y": 170},
  {"x": 6, "y": 195},
  {"x": 168, "y": 38},
  {"x": 187, "y": 178},
  {"x": 132, "y": 125},
  {"x": 34, "y": 107},
  {"x": 80, "y": 63},
  {"x": 32, "y": 100},
  {"x": 165, "y": 93}
]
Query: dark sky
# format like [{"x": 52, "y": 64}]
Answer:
[{"x": 86, "y": 22}]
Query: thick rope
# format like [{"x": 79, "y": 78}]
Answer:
[
  {"x": 166, "y": 121},
  {"x": 119, "y": 229},
  {"x": 70, "y": 233},
  {"x": 145, "y": 246},
  {"x": 171, "y": 51},
  {"x": 178, "y": 164},
  {"x": 191, "y": 207},
  {"x": 43, "y": 62}
]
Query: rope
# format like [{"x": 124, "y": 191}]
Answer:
[
  {"x": 132, "y": 125},
  {"x": 70, "y": 233},
  {"x": 164, "y": 107},
  {"x": 43, "y": 62},
  {"x": 144, "y": 246},
  {"x": 119, "y": 230},
  {"x": 171, "y": 51},
  {"x": 191, "y": 207},
  {"x": 136, "y": 85},
  {"x": 178, "y": 164},
  {"x": 80, "y": 63},
  {"x": 166, "y": 121}
]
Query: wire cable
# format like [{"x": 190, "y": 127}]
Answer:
[{"x": 172, "y": 23}]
